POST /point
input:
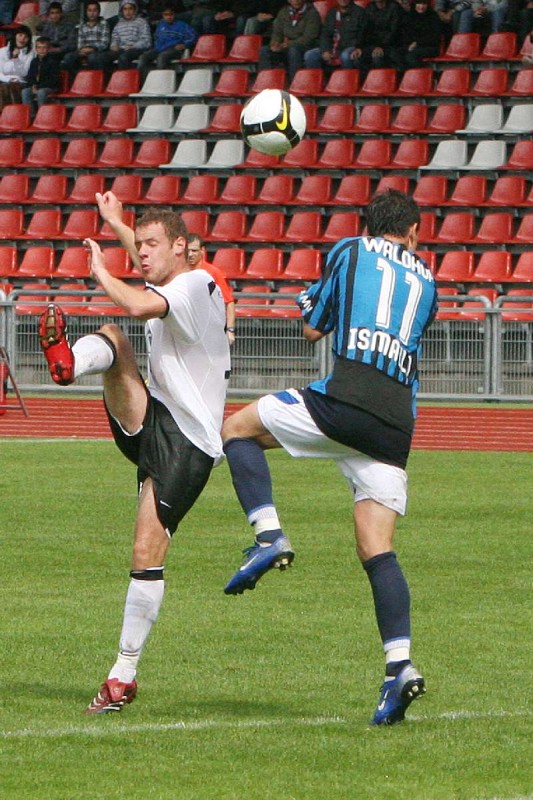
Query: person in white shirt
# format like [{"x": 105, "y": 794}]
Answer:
[
  {"x": 170, "y": 425},
  {"x": 15, "y": 60}
]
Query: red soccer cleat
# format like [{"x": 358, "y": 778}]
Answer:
[
  {"x": 55, "y": 345},
  {"x": 112, "y": 696}
]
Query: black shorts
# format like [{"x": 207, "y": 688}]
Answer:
[{"x": 179, "y": 470}]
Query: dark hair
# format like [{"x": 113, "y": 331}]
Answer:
[
  {"x": 54, "y": 7},
  {"x": 172, "y": 223},
  {"x": 93, "y": 3},
  {"x": 195, "y": 237},
  {"x": 391, "y": 212},
  {"x": 13, "y": 40},
  {"x": 43, "y": 40}
]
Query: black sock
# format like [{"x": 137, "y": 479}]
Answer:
[{"x": 391, "y": 596}]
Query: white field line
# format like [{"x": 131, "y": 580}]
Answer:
[{"x": 214, "y": 724}]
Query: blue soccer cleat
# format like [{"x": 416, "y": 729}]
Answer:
[
  {"x": 397, "y": 695},
  {"x": 259, "y": 559}
]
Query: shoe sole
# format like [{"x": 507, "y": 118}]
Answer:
[
  {"x": 413, "y": 690},
  {"x": 282, "y": 562},
  {"x": 53, "y": 332}
]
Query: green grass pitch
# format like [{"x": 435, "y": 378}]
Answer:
[{"x": 266, "y": 695}]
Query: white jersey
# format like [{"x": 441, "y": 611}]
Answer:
[{"x": 189, "y": 358}]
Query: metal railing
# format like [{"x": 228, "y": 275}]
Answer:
[{"x": 482, "y": 353}]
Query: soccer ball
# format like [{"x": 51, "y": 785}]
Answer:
[{"x": 273, "y": 122}]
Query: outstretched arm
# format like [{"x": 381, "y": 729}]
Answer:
[{"x": 111, "y": 211}]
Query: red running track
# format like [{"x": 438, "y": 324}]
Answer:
[{"x": 438, "y": 427}]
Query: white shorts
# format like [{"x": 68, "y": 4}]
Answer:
[{"x": 294, "y": 428}]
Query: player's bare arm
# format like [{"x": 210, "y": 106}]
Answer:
[
  {"x": 311, "y": 334},
  {"x": 111, "y": 210}
]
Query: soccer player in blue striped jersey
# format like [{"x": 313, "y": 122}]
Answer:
[{"x": 376, "y": 297}]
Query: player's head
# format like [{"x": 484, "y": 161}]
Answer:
[
  {"x": 392, "y": 213},
  {"x": 161, "y": 242}
]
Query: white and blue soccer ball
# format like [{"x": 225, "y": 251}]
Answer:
[{"x": 273, "y": 122}]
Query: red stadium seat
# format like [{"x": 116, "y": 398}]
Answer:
[
  {"x": 116, "y": 154},
  {"x": 37, "y": 262},
  {"x": 73, "y": 263},
  {"x": 44, "y": 224},
  {"x": 239, "y": 190},
  {"x": 428, "y": 227},
  {"x": 494, "y": 266},
  {"x": 14, "y": 118},
  {"x": 118, "y": 262},
  {"x": 85, "y": 188},
  {"x": 499, "y": 47},
  {"x": 284, "y": 306},
  {"x": 491, "y": 82},
  {"x": 307, "y": 82},
  {"x": 152, "y": 153},
  {"x": 314, "y": 190},
  {"x": 198, "y": 221},
  {"x": 87, "y": 83},
  {"x": 523, "y": 270},
  {"x": 374, "y": 154},
  {"x": 461, "y": 47},
  {"x": 128, "y": 188},
  {"x": 81, "y": 224},
  {"x": 373, "y": 118},
  {"x": 524, "y": 234},
  {"x": 43, "y": 153},
  {"x": 398, "y": 182},
  {"x": 431, "y": 190},
  {"x": 508, "y": 190},
  {"x": 277, "y": 190},
  {"x": 122, "y": 82},
  {"x": 73, "y": 304},
  {"x": 50, "y": 118},
  {"x": 8, "y": 261},
  {"x": 11, "y": 223},
  {"x": 226, "y": 119},
  {"x": 430, "y": 258},
  {"x": 353, "y": 190},
  {"x": 304, "y": 265},
  {"x": 304, "y": 226},
  {"x": 453, "y": 82},
  {"x": 416, "y": 82},
  {"x": 410, "y": 118},
  {"x": 470, "y": 190},
  {"x": 107, "y": 232},
  {"x": 513, "y": 313},
  {"x": 201, "y": 190},
  {"x": 447, "y": 118},
  {"x": 521, "y": 156},
  {"x": 267, "y": 226},
  {"x": 469, "y": 306},
  {"x": 33, "y": 300},
  {"x": 267, "y": 79},
  {"x": 336, "y": 118},
  {"x": 85, "y": 118},
  {"x": 244, "y": 48},
  {"x": 51, "y": 188},
  {"x": 14, "y": 188},
  {"x": 231, "y": 83},
  {"x": 265, "y": 265},
  {"x": 311, "y": 114},
  {"x": 120, "y": 117},
  {"x": 229, "y": 226},
  {"x": 495, "y": 228},
  {"x": 457, "y": 266},
  {"x": 210, "y": 47},
  {"x": 342, "y": 83},
  {"x": 379, "y": 83},
  {"x": 254, "y": 306},
  {"x": 231, "y": 260},
  {"x": 255, "y": 160},
  {"x": 303, "y": 156},
  {"x": 342, "y": 224},
  {"x": 457, "y": 226},
  {"x": 337, "y": 154},
  {"x": 411, "y": 154},
  {"x": 163, "y": 190},
  {"x": 80, "y": 153},
  {"x": 523, "y": 83}
]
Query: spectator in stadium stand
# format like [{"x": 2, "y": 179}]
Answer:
[
  {"x": 487, "y": 16},
  {"x": 171, "y": 38},
  {"x": 455, "y": 16},
  {"x": 43, "y": 76},
  {"x": 421, "y": 29},
  {"x": 170, "y": 425},
  {"x": 519, "y": 18},
  {"x": 194, "y": 13},
  {"x": 94, "y": 37},
  {"x": 71, "y": 10},
  {"x": 295, "y": 29},
  {"x": 341, "y": 38},
  {"x": 130, "y": 38},
  {"x": 15, "y": 59},
  {"x": 383, "y": 36},
  {"x": 61, "y": 33},
  {"x": 229, "y": 17},
  {"x": 197, "y": 260},
  {"x": 7, "y": 11},
  {"x": 361, "y": 416},
  {"x": 260, "y": 22}
]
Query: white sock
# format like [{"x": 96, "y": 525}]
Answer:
[
  {"x": 91, "y": 354},
  {"x": 264, "y": 519},
  {"x": 397, "y": 650},
  {"x": 143, "y": 602}
]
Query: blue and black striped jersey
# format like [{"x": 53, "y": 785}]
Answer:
[{"x": 376, "y": 298}]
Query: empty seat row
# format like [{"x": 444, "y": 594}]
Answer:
[
  {"x": 46, "y": 262},
  {"x": 492, "y": 266},
  {"x": 280, "y": 189},
  {"x": 82, "y": 153},
  {"x": 56, "y": 118},
  {"x": 456, "y": 227},
  {"x": 517, "y": 305}
]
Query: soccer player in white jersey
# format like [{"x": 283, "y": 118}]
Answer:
[{"x": 169, "y": 427}]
